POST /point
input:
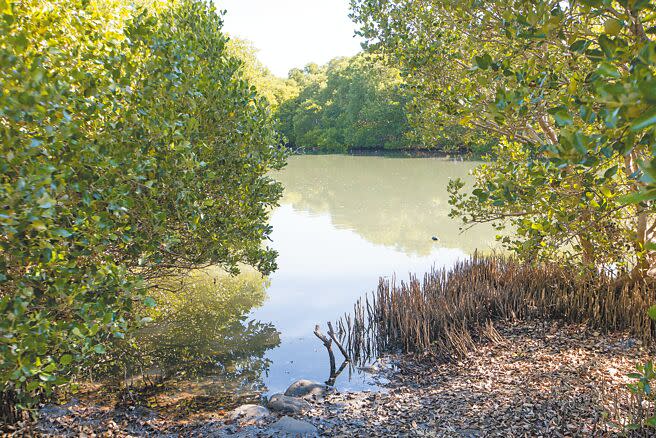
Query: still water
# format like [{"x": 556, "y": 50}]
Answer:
[{"x": 344, "y": 221}]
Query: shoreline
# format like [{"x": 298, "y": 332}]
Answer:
[
  {"x": 537, "y": 378},
  {"x": 395, "y": 153}
]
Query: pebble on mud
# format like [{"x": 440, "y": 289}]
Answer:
[
  {"x": 307, "y": 389},
  {"x": 283, "y": 403},
  {"x": 249, "y": 414},
  {"x": 289, "y": 426}
]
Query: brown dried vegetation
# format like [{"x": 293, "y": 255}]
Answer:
[{"x": 451, "y": 309}]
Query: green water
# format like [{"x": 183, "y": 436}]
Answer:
[{"x": 396, "y": 202}]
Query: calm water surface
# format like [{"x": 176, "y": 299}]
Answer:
[{"x": 344, "y": 221}]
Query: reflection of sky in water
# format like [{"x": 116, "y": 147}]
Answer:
[{"x": 322, "y": 272}]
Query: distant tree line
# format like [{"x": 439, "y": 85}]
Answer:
[{"x": 349, "y": 104}]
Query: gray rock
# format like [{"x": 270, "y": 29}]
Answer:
[
  {"x": 53, "y": 411},
  {"x": 253, "y": 414},
  {"x": 307, "y": 389},
  {"x": 219, "y": 431},
  {"x": 288, "y": 426},
  {"x": 284, "y": 403}
]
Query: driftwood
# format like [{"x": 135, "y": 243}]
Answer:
[{"x": 328, "y": 344}]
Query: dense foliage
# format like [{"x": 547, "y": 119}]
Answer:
[
  {"x": 570, "y": 87},
  {"x": 347, "y": 104},
  {"x": 131, "y": 147}
]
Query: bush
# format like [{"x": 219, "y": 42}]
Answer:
[{"x": 131, "y": 148}]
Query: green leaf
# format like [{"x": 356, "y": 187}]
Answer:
[
  {"x": 99, "y": 348},
  {"x": 149, "y": 302},
  {"x": 66, "y": 359},
  {"x": 652, "y": 312},
  {"x": 62, "y": 232},
  {"x": 637, "y": 5},
  {"x": 644, "y": 121},
  {"x": 611, "y": 172},
  {"x": 34, "y": 384},
  {"x": 483, "y": 62},
  {"x": 5, "y": 7},
  {"x": 580, "y": 143},
  {"x": 606, "y": 69},
  {"x": 637, "y": 197},
  {"x": 648, "y": 89},
  {"x": 579, "y": 46},
  {"x": 607, "y": 46},
  {"x": 562, "y": 117}
]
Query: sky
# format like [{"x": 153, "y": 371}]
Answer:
[{"x": 292, "y": 33}]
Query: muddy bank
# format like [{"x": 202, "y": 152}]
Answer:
[
  {"x": 535, "y": 379},
  {"x": 538, "y": 379}
]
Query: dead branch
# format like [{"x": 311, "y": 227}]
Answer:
[
  {"x": 333, "y": 336},
  {"x": 328, "y": 344}
]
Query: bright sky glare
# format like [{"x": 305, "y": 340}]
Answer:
[{"x": 292, "y": 33}]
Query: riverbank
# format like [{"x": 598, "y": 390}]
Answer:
[
  {"x": 533, "y": 379},
  {"x": 456, "y": 154}
]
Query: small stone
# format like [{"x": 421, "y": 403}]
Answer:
[
  {"x": 283, "y": 403},
  {"x": 53, "y": 411},
  {"x": 307, "y": 389},
  {"x": 290, "y": 426},
  {"x": 249, "y": 414}
]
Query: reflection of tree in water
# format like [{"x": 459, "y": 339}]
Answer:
[
  {"x": 397, "y": 202},
  {"x": 201, "y": 334}
]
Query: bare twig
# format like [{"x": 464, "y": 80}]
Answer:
[
  {"x": 333, "y": 336},
  {"x": 328, "y": 344}
]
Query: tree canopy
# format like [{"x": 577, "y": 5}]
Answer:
[
  {"x": 347, "y": 104},
  {"x": 133, "y": 146},
  {"x": 568, "y": 87}
]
